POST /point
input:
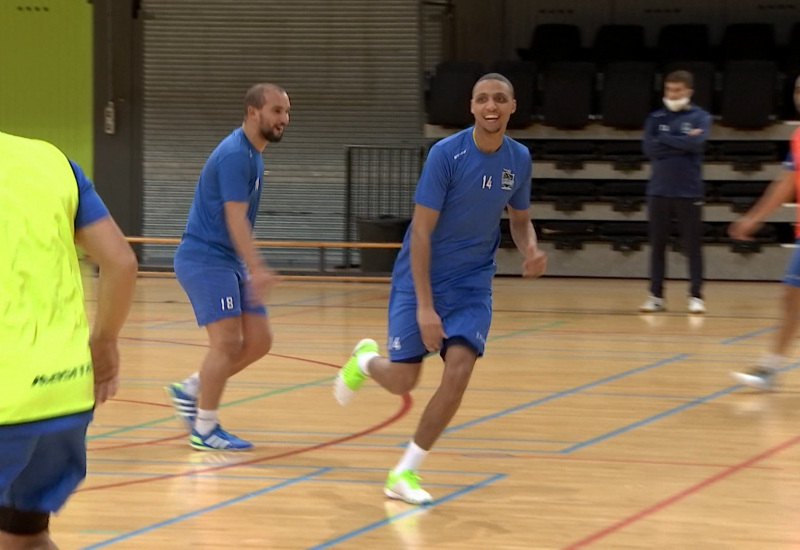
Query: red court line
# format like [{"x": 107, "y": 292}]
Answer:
[
  {"x": 680, "y": 495},
  {"x": 138, "y": 402},
  {"x": 506, "y": 455},
  {"x": 138, "y": 443},
  {"x": 199, "y": 345},
  {"x": 404, "y": 408}
]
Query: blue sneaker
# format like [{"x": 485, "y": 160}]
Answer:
[
  {"x": 218, "y": 440},
  {"x": 185, "y": 405}
]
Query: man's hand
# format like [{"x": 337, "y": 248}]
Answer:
[
  {"x": 261, "y": 280},
  {"x": 430, "y": 327},
  {"x": 105, "y": 363},
  {"x": 743, "y": 228},
  {"x": 534, "y": 263}
]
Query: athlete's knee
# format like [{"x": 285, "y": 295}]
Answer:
[
  {"x": 259, "y": 347},
  {"x": 22, "y": 527},
  {"x": 229, "y": 346},
  {"x": 791, "y": 299},
  {"x": 401, "y": 377},
  {"x": 457, "y": 374},
  {"x": 406, "y": 379}
]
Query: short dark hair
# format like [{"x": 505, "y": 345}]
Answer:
[
  {"x": 256, "y": 95},
  {"x": 681, "y": 77},
  {"x": 499, "y": 77}
]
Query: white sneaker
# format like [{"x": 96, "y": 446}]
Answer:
[
  {"x": 653, "y": 304},
  {"x": 760, "y": 378},
  {"x": 696, "y": 305},
  {"x": 404, "y": 486}
]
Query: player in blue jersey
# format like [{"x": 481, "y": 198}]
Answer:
[
  {"x": 441, "y": 291},
  {"x": 221, "y": 270}
]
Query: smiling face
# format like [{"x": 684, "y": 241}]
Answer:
[
  {"x": 273, "y": 116},
  {"x": 492, "y": 105}
]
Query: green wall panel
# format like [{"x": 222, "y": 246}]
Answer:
[{"x": 46, "y": 73}]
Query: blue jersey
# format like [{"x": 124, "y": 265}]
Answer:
[
  {"x": 90, "y": 205},
  {"x": 233, "y": 172},
  {"x": 470, "y": 189}
]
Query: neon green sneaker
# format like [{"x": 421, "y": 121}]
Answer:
[
  {"x": 350, "y": 377},
  {"x": 404, "y": 485}
]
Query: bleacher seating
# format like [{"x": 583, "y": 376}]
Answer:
[{"x": 583, "y": 127}]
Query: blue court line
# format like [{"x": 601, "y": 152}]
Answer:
[
  {"x": 758, "y": 332},
  {"x": 199, "y": 511},
  {"x": 441, "y": 446},
  {"x": 271, "y": 478},
  {"x": 292, "y": 466},
  {"x": 663, "y": 414},
  {"x": 564, "y": 393},
  {"x": 325, "y": 297},
  {"x": 381, "y": 522},
  {"x": 339, "y": 434},
  {"x": 289, "y": 442},
  {"x": 262, "y": 395}
]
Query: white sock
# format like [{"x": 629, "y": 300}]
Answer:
[
  {"x": 412, "y": 458},
  {"x": 205, "y": 422},
  {"x": 191, "y": 386},
  {"x": 363, "y": 360},
  {"x": 770, "y": 361}
]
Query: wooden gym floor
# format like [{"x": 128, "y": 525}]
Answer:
[{"x": 587, "y": 425}]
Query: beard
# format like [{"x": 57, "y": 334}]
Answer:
[{"x": 270, "y": 135}]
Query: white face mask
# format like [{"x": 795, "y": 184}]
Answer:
[{"x": 676, "y": 104}]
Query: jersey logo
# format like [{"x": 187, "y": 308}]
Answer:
[
  {"x": 507, "y": 180},
  {"x": 258, "y": 182},
  {"x": 464, "y": 152}
]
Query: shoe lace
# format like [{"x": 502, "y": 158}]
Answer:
[{"x": 411, "y": 478}]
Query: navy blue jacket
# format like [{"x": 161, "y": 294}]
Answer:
[{"x": 676, "y": 157}]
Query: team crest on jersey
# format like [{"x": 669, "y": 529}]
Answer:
[{"x": 507, "y": 180}]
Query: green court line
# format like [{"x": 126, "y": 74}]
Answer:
[
  {"x": 228, "y": 404},
  {"x": 537, "y": 328},
  {"x": 317, "y": 382}
]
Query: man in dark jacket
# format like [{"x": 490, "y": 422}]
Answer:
[{"x": 674, "y": 140}]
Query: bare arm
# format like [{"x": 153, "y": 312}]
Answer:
[
  {"x": 778, "y": 192},
  {"x": 241, "y": 234},
  {"x": 106, "y": 245},
  {"x": 525, "y": 239},
  {"x": 430, "y": 324},
  {"x": 422, "y": 225}
]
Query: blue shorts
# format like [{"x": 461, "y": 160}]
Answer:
[
  {"x": 466, "y": 317},
  {"x": 217, "y": 289},
  {"x": 38, "y": 471},
  {"x": 792, "y": 275}
]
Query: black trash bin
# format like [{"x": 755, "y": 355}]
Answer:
[{"x": 384, "y": 229}]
